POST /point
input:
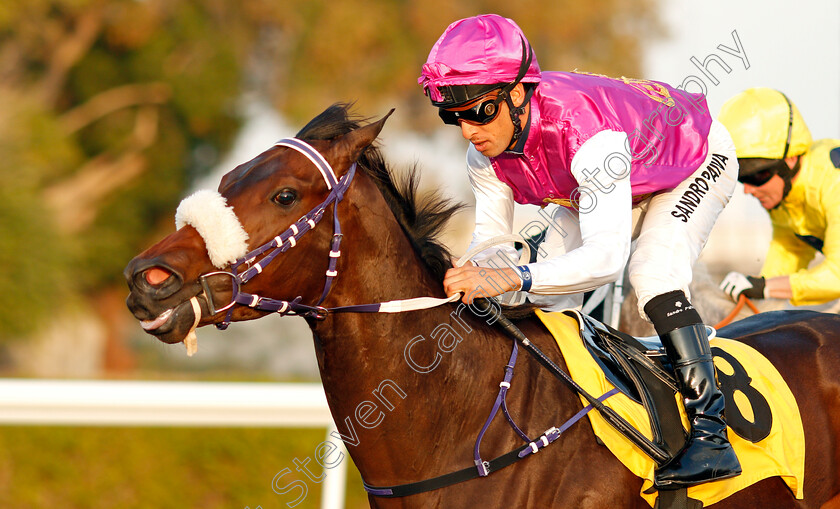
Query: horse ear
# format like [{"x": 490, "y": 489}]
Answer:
[{"x": 352, "y": 144}]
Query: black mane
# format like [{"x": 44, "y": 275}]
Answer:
[{"x": 423, "y": 221}]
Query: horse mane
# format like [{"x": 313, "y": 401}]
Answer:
[{"x": 423, "y": 220}]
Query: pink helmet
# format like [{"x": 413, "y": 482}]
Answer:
[{"x": 476, "y": 55}]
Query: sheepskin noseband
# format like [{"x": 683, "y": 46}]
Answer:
[{"x": 208, "y": 212}]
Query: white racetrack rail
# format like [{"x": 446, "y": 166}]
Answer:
[{"x": 158, "y": 403}]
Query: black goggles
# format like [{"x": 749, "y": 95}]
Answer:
[
  {"x": 763, "y": 174},
  {"x": 481, "y": 113},
  {"x": 759, "y": 178}
]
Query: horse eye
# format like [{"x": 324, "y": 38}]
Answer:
[{"x": 285, "y": 197}]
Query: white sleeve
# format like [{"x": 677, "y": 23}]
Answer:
[
  {"x": 493, "y": 206},
  {"x": 602, "y": 169}
]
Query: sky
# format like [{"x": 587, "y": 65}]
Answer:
[{"x": 793, "y": 48}]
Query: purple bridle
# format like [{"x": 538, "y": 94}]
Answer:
[
  {"x": 282, "y": 243},
  {"x": 289, "y": 239}
]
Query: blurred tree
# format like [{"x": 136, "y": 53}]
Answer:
[
  {"x": 372, "y": 50},
  {"x": 109, "y": 108}
]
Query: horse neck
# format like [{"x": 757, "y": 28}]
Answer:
[
  {"x": 379, "y": 262},
  {"x": 384, "y": 395}
]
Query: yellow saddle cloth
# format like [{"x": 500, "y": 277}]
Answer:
[{"x": 780, "y": 453}]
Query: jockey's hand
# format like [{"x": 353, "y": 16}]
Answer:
[
  {"x": 478, "y": 282},
  {"x": 735, "y": 284}
]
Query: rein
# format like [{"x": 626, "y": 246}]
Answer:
[
  {"x": 484, "y": 468},
  {"x": 742, "y": 299}
]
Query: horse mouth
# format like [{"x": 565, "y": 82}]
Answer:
[
  {"x": 152, "y": 325},
  {"x": 172, "y": 325}
]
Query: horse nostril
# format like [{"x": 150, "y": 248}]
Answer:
[{"x": 155, "y": 275}]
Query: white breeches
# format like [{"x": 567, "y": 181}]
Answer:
[{"x": 669, "y": 229}]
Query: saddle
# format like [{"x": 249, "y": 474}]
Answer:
[
  {"x": 639, "y": 368},
  {"x": 765, "y": 428}
]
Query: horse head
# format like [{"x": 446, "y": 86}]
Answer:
[{"x": 202, "y": 264}]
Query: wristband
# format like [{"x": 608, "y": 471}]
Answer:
[
  {"x": 758, "y": 289},
  {"x": 525, "y": 274}
]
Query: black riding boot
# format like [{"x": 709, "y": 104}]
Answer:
[{"x": 707, "y": 456}]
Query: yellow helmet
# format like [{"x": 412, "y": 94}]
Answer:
[{"x": 765, "y": 124}]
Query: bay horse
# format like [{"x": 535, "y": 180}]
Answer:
[{"x": 408, "y": 395}]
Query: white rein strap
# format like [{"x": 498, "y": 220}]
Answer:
[
  {"x": 399, "y": 306},
  {"x": 190, "y": 208}
]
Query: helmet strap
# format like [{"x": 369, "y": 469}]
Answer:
[
  {"x": 515, "y": 114},
  {"x": 787, "y": 175}
]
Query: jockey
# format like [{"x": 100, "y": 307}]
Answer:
[
  {"x": 798, "y": 182},
  {"x": 624, "y": 159}
]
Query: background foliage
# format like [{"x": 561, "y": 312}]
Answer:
[{"x": 108, "y": 108}]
